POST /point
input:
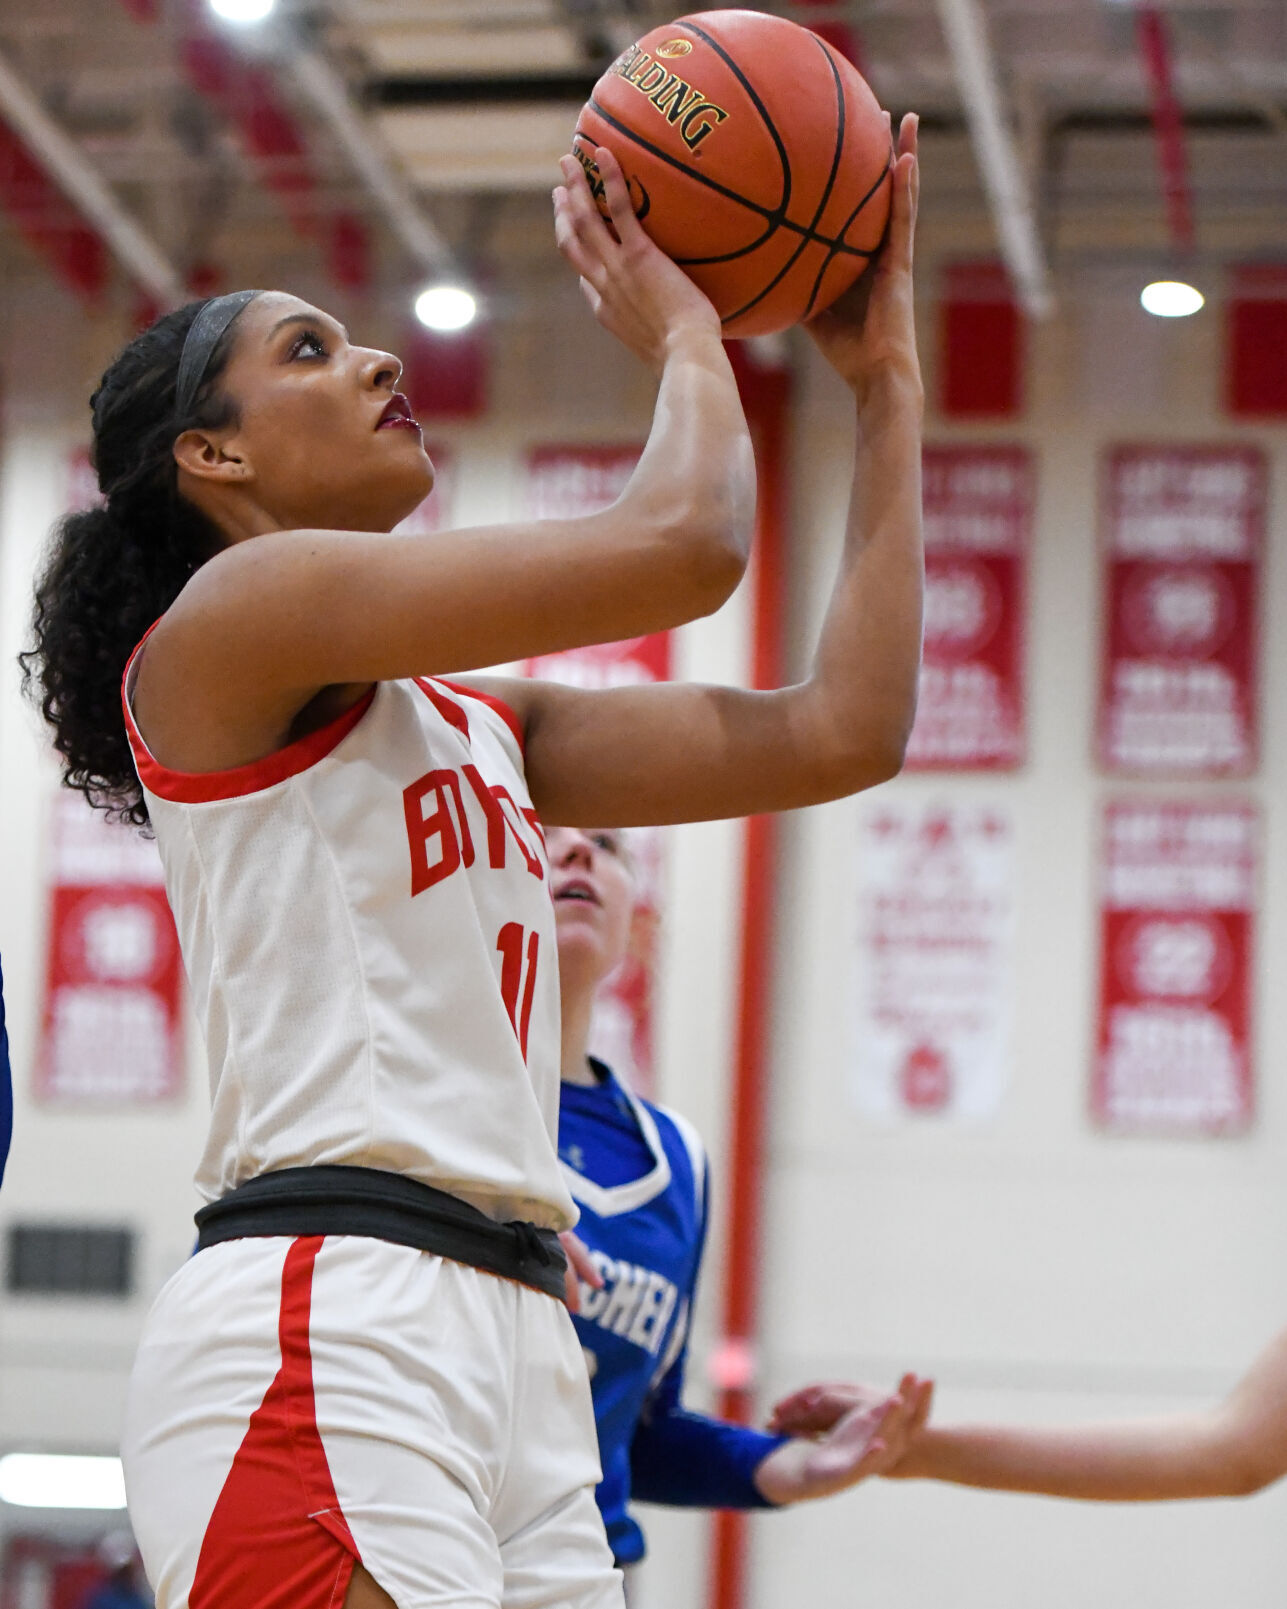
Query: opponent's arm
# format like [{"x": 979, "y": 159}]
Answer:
[
  {"x": 682, "y": 752},
  {"x": 1231, "y": 1450},
  {"x": 269, "y": 621}
]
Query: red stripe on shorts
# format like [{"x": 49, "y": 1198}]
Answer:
[{"x": 277, "y": 1538}]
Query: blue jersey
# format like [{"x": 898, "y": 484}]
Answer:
[
  {"x": 639, "y": 1175},
  {"x": 6, "y": 1087}
]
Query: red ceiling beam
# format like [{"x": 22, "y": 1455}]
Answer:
[
  {"x": 245, "y": 95},
  {"x": 1153, "y": 36},
  {"x": 48, "y": 222}
]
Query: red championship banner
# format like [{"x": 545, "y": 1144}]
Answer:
[
  {"x": 978, "y": 521},
  {"x": 562, "y": 482},
  {"x": 436, "y": 512},
  {"x": 933, "y": 971},
  {"x": 1178, "y": 900},
  {"x": 110, "y": 1027},
  {"x": 1183, "y": 532}
]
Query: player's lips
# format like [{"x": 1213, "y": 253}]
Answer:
[
  {"x": 398, "y": 415},
  {"x": 577, "y": 889}
]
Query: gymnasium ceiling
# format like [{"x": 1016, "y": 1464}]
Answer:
[{"x": 468, "y": 103}]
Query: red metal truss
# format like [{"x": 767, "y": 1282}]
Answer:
[
  {"x": 246, "y": 96},
  {"x": 48, "y": 221}
]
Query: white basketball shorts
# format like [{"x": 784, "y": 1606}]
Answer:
[{"x": 301, "y": 1405}]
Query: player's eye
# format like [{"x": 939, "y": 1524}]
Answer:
[
  {"x": 308, "y": 344},
  {"x": 607, "y": 841}
]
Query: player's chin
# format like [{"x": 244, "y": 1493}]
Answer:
[
  {"x": 581, "y": 939},
  {"x": 399, "y": 484}
]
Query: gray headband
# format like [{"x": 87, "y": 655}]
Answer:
[{"x": 204, "y": 334}]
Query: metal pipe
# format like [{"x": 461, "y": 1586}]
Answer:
[
  {"x": 327, "y": 93},
  {"x": 91, "y": 196},
  {"x": 766, "y": 396},
  {"x": 1168, "y": 124},
  {"x": 1007, "y": 189}
]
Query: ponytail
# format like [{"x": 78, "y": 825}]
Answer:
[{"x": 114, "y": 569}]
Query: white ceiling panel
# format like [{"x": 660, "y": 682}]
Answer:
[
  {"x": 399, "y": 50},
  {"x": 481, "y": 148}
]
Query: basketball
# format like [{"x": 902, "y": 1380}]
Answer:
[{"x": 757, "y": 158}]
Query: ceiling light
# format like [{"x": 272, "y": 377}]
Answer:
[
  {"x": 57, "y": 1480},
  {"x": 446, "y": 307},
  {"x": 243, "y": 10},
  {"x": 1171, "y": 298}
]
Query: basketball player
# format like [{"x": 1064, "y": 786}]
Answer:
[
  {"x": 1231, "y": 1449},
  {"x": 337, "y": 1401},
  {"x": 638, "y": 1173}
]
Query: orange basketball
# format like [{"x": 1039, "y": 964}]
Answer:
[{"x": 757, "y": 158}]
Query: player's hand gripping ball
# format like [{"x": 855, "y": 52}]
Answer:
[{"x": 757, "y": 158}]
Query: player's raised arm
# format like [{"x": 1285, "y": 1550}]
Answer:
[
  {"x": 684, "y": 752},
  {"x": 313, "y": 456},
  {"x": 1235, "y": 1448}
]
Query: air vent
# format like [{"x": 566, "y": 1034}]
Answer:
[{"x": 69, "y": 1260}]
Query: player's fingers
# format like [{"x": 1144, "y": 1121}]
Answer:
[
  {"x": 578, "y": 1255},
  {"x": 847, "y": 1452},
  {"x": 921, "y": 1406},
  {"x": 617, "y": 194},
  {"x": 902, "y": 214},
  {"x": 571, "y": 241},
  {"x": 584, "y": 218},
  {"x": 817, "y": 1408}
]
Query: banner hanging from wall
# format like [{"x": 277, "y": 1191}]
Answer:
[
  {"x": 111, "y": 1026},
  {"x": 978, "y": 505},
  {"x": 438, "y": 509},
  {"x": 1177, "y": 911},
  {"x": 934, "y": 966},
  {"x": 561, "y": 483},
  {"x": 1183, "y": 535}
]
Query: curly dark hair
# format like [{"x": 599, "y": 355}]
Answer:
[{"x": 112, "y": 570}]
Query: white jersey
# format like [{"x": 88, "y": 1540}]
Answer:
[{"x": 369, "y": 939}]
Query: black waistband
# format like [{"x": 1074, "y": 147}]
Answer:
[{"x": 384, "y": 1206}]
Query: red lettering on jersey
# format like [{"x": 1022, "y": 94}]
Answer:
[
  {"x": 509, "y": 942},
  {"x": 493, "y": 801},
  {"x": 529, "y": 815},
  {"x": 453, "y": 846}
]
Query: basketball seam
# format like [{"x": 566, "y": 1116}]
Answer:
[
  {"x": 821, "y": 207},
  {"x": 783, "y": 155},
  {"x": 833, "y": 253},
  {"x": 835, "y": 165},
  {"x": 836, "y": 247}
]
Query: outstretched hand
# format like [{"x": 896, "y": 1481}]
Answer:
[
  {"x": 870, "y": 331},
  {"x": 840, "y": 1436},
  {"x": 635, "y": 290}
]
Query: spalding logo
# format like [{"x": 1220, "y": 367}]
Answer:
[
  {"x": 675, "y": 47},
  {"x": 684, "y": 108}
]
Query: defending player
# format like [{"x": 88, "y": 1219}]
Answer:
[
  {"x": 335, "y": 1401},
  {"x": 1231, "y": 1449},
  {"x": 638, "y": 1173}
]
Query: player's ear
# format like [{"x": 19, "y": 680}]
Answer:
[{"x": 211, "y": 456}]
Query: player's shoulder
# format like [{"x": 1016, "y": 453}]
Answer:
[{"x": 683, "y": 1143}]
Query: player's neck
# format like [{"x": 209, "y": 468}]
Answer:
[{"x": 577, "y": 1007}]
